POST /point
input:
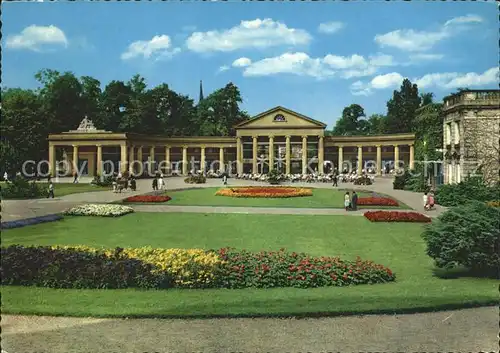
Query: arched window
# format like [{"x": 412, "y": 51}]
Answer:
[{"x": 279, "y": 117}]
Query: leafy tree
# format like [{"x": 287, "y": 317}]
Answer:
[
  {"x": 350, "y": 124},
  {"x": 61, "y": 97},
  {"x": 23, "y": 129},
  {"x": 92, "y": 100},
  {"x": 401, "y": 108},
  {"x": 219, "y": 111},
  {"x": 115, "y": 100},
  {"x": 376, "y": 124}
]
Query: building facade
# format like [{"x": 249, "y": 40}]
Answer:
[
  {"x": 276, "y": 139},
  {"x": 471, "y": 138}
]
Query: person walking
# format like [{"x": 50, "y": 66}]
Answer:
[
  {"x": 160, "y": 182},
  {"x": 51, "y": 190},
  {"x": 75, "y": 178},
  {"x": 155, "y": 183},
  {"x": 224, "y": 178},
  {"x": 354, "y": 201},
  {"x": 425, "y": 200},
  {"x": 335, "y": 178},
  {"x": 347, "y": 201}
]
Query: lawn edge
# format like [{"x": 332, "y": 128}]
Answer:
[{"x": 303, "y": 315}]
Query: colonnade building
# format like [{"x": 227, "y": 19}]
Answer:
[{"x": 275, "y": 139}]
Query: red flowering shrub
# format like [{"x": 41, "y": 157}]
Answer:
[
  {"x": 396, "y": 216},
  {"x": 147, "y": 198},
  {"x": 377, "y": 201},
  {"x": 243, "y": 269}
]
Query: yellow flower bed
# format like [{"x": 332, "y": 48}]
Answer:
[
  {"x": 493, "y": 203},
  {"x": 264, "y": 191},
  {"x": 188, "y": 267}
]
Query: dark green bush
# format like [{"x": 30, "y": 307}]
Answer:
[
  {"x": 467, "y": 236},
  {"x": 196, "y": 179},
  {"x": 401, "y": 180},
  {"x": 72, "y": 268},
  {"x": 472, "y": 188},
  {"x": 22, "y": 188},
  {"x": 363, "y": 180},
  {"x": 103, "y": 181},
  {"x": 274, "y": 177}
]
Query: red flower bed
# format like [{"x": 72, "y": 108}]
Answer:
[
  {"x": 147, "y": 198},
  {"x": 396, "y": 216},
  {"x": 377, "y": 201},
  {"x": 270, "y": 269}
]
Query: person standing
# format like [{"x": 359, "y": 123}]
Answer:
[
  {"x": 354, "y": 201},
  {"x": 224, "y": 178},
  {"x": 51, "y": 190},
  {"x": 75, "y": 178},
  {"x": 347, "y": 201},
  {"x": 155, "y": 183},
  {"x": 160, "y": 182}
]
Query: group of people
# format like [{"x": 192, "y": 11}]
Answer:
[
  {"x": 158, "y": 182},
  {"x": 121, "y": 182},
  {"x": 351, "y": 202}
]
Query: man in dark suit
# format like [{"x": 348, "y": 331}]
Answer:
[{"x": 354, "y": 201}]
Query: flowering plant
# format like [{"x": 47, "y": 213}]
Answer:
[
  {"x": 377, "y": 201},
  {"x": 267, "y": 192},
  {"x": 101, "y": 210},
  {"x": 147, "y": 198},
  {"x": 265, "y": 269},
  {"x": 396, "y": 216}
]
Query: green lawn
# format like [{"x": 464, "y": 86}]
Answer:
[
  {"x": 321, "y": 198},
  {"x": 62, "y": 189},
  {"x": 396, "y": 245}
]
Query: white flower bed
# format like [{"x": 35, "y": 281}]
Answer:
[{"x": 100, "y": 210}]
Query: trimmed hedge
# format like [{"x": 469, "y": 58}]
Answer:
[
  {"x": 84, "y": 267},
  {"x": 21, "y": 188},
  {"x": 30, "y": 221}
]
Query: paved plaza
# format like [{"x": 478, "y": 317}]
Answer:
[{"x": 20, "y": 209}]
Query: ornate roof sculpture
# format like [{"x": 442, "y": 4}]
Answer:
[{"x": 86, "y": 125}]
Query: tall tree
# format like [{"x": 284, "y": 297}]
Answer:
[
  {"x": 61, "y": 97},
  {"x": 115, "y": 100},
  {"x": 92, "y": 100},
  {"x": 376, "y": 124},
  {"x": 22, "y": 128},
  {"x": 401, "y": 108},
  {"x": 350, "y": 124}
]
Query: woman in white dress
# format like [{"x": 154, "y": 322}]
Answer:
[{"x": 161, "y": 183}]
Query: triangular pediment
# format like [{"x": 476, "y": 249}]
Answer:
[{"x": 280, "y": 117}]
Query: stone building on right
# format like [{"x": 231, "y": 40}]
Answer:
[{"x": 471, "y": 138}]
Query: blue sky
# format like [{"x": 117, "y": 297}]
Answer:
[{"x": 315, "y": 58}]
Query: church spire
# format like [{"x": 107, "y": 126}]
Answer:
[{"x": 201, "y": 91}]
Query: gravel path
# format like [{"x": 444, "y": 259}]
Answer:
[{"x": 470, "y": 330}]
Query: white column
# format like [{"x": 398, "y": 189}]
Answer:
[
  {"x": 360, "y": 159},
  {"x": 75, "y": 159},
  {"x": 184, "y": 160},
  {"x": 288, "y": 162},
  {"x": 202, "y": 160},
  {"x": 379, "y": 160},
  {"x": 271, "y": 152},
  {"x": 321, "y": 158},
  {"x": 304, "y": 154},
  {"x": 341, "y": 158}
]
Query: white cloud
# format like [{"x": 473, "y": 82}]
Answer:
[
  {"x": 390, "y": 80},
  {"x": 37, "y": 38},
  {"x": 464, "y": 19},
  {"x": 445, "y": 81},
  {"x": 158, "y": 46},
  {"x": 291, "y": 63},
  {"x": 330, "y": 27},
  {"x": 302, "y": 64},
  {"x": 415, "y": 41},
  {"x": 451, "y": 80},
  {"x": 242, "y": 62},
  {"x": 256, "y": 34}
]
